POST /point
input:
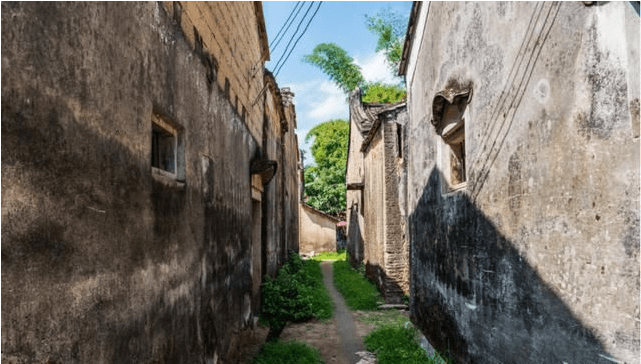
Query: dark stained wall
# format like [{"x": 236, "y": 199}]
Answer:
[
  {"x": 536, "y": 258},
  {"x": 104, "y": 261}
]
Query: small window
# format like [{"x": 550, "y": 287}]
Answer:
[
  {"x": 454, "y": 139},
  {"x": 163, "y": 146},
  {"x": 449, "y": 111},
  {"x": 167, "y": 150}
]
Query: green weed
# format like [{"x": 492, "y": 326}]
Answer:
[
  {"x": 397, "y": 344},
  {"x": 288, "y": 352},
  {"x": 384, "y": 318},
  {"x": 337, "y": 255},
  {"x": 359, "y": 293}
]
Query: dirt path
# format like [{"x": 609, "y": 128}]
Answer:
[
  {"x": 337, "y": 339},
  {"x": 351, "y": 342}
]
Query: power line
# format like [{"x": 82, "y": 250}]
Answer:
[
  {"x": 299, "y": 37},
  {"x": 277, "y": 41},
  {"x": 285, "y": 23},
  {"x": 294, "y": 34}
]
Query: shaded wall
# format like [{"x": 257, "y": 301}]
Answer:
[
  {"x": 535, "y": 258},
  {"x": 104, "y": 260}
]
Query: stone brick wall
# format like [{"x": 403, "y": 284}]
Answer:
[
  {"x": 376, "y": 233},
  {"x": 105, "y": 259},
  {"x": 535, "y": 258},
  {"x": 233, "y": 33},
  {"x": 395, "y": 249}
]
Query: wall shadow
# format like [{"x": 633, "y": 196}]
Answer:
[
  {"x": 354, "y": 239},
  {"x": 391, "y": 290},
  {"x": 473, "y": 295}
]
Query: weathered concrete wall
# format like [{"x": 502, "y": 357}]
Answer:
[
  {"x": 291, "y": 163},
  {"x": 535, "y": 259},
  {"x": 374, "y": 209},
  {"x": 317, "y": 231},
  {"x": 272, "y": 202},
  {"x": 354, "y": 197},
  {"x": 103, "y": 258}
]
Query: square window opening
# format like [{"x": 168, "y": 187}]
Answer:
[
  {"x": 163, "y": 146},
  {"x": 167, "y": 148}
]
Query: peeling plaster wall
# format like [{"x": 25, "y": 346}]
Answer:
[
  {"x": 537, "y": 258},
  {"x": 101, "y": 261}
]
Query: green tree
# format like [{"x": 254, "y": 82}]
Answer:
[
  {"x": 325, "y": 181},
  {"x": 337, "y": 64},
  {"x": 389, "y": 26},
  {"x": 378, "y": 92}
]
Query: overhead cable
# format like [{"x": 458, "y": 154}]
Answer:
[
  {"x": 277, "y": 41},
  {"x": 299, "y": 37},
  {"x": 283, "y": 57}
]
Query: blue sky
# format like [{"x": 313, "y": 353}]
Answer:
[{"x": 317, "y": 99}]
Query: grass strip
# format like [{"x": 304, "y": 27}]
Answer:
[
  {"x": 337, "y": 255},
  {"x": 359, "y": 293},
  {"x": 288, "y": 352},
  {"x": 394, "y": 344},
  {"x": 322, "y": 304}
]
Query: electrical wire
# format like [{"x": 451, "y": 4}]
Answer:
[
  {"x": 294, "y": 35},
  {"x": 277, "y": 67},
  {"x": 284, "y": 24},
  {"x": 277, "y": 41}
]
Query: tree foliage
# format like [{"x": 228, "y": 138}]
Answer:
[
  {"x": 381, "y": 93},
  {"x": 389, "y": 26},
  {"x": 325, "y": 181},
  {"x": 337, "y": 64}
]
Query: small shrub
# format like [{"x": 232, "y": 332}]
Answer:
[
  {"x": 288, "y": 352},
  {"x": 359, "y": 293},
  {"x": 296, "y": 294}
]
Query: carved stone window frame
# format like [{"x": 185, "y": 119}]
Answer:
[{"x": 449, "y": 113}]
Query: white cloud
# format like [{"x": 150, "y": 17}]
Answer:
[
  {"x": 326, "y": 102},
  {"x": 375, "y": 69},
  {"x": 302, "y": 88}
]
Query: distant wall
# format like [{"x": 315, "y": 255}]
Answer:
[{"x": 317, "y": 231}]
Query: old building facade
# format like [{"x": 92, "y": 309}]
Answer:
[
  {"x": 523, "y": 180},
  {"x": 376, "y": 229},
  {"x": 147, "y": 159}
]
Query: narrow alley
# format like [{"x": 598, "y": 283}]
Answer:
[{"x": 478, "y": 162}]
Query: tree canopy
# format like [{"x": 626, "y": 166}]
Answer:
[
  {"x": 382, "y": 93},
  {"x": 325, "y": 181},
  {"x": 389, "y": 26},
  {"x": 337, "y": 64}
]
